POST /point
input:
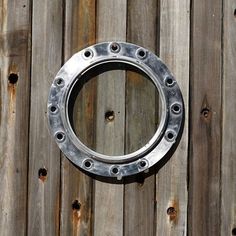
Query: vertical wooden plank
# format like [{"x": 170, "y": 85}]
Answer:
[
  {"x": 77, "y": 187},
  {"x": 14, "y": 108},
  {"x": 140, "y": 120},
  {"x": 205, "y": 119},
  {"x": 228, "y": 208},
  {"x": 108, "y": 212},
  {"x": 171, "y": 186},
  {"x": 44, "y": 190}
]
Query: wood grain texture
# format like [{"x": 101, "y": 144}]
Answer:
[
  {"x": 108, "y": 201},
  {"x": 79, "y": 32},
  {"x": 44, "y": 193},
  {"x": 205, "y": 119},
  {"x": 171, "y": 180},
  {"x": 228, "y": 208},
  {"x": 139, "y": 205},
  {"x": 14, "y": 112}
]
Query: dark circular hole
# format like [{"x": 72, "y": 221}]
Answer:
[
  {"x": 115, "y": 170},
  {"x": 42, "y": 172},
  {"x": 114, "y": 47},
  {"x": 171, "y": 211},
  {"x": 59, "y": 82},
  {"x": 142, "y": 163},
  {"x": 13, "y": 78},
  {"x": 76, "y": 205},
  {"x": 205, "y": 112},
  {"x": 170, "y": 136},
  {"x": 60, "y": 136},
  {"x": 87, "y": 54},
  {"x": 53, "y": 108},
  {"x": 141, "y": 53},
  {"x": 110, "y": 115},
  {"x": 176, "y": 108},
  {"x": 87, "y": 164},
  {"x": 169, "y": 81}
]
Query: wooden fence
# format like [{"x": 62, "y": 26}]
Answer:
[{"x": 194, "y": 193}]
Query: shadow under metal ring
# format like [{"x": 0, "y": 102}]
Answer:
[{"x": 171, "y": 120}]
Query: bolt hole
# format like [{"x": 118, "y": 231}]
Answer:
[
  {"x": 142, "y": 164},
  {"x": 169, "y": 82},
  {"x": 53, "y": 109},
  {"x": 59, "y": 82},
  {"x": 109, "y": 116},
  {"x": 171, "y": 211},
  {"x": 115, "y": 170},
  {"x": 60, "y": 136},
  {"x": 42, "y": 173},
  {"x": 76, "y": 205},
  {"x": 176, "y": 108},
  {"x": 205, "y": 112},
  {"x": 115, "y": 47},
  {"x": 13, "y": 78},
  {"x": 170, "y": 135},
  {"x": 141, "y": 53},
  {"x": 87, "y": 164},
  {"x": 87, "y": 54}
]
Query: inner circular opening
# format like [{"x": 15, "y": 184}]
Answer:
[{"x": 113, "y": 120}]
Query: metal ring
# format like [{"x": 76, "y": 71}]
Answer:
[{"x": 103, "y": 54}]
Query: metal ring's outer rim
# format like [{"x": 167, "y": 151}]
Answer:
[{"x": 58, "y": 122}]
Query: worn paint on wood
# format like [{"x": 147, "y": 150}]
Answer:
[
  {"x": 77, "y": 187},
  {"x": 14, "y": 113},
  {"x": 171, "y": 186},
  {"x": 205, "y": 119},
  {"x": 139, "y": 210},
  {"x": 108, "y": 199},
  {"x": 228, "y": 196},
  {"x": 44, "y": 196}
]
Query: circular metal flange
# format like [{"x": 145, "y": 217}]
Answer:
[{"x": 172, "y": 114}]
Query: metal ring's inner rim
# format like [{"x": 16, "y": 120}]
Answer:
[{"x": 151, "y": 143}]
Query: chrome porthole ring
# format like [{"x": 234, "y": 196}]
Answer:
[{"x": 171, "y": 120}]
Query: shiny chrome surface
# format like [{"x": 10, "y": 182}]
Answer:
[{"x": 172, "y": 114}]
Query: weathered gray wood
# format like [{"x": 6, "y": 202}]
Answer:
[
  {"x": 205, "y": 119},
  {"x": 79, "y": 32},
  {"x": 44, "y": 194},
  {"x": 108, "y": 208},
  {"x": 171, "y": 186},
  {"x": 14, "y": 112},
  {"x": 139, "y": 207},
  {"x": 228, "y": 195}
]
